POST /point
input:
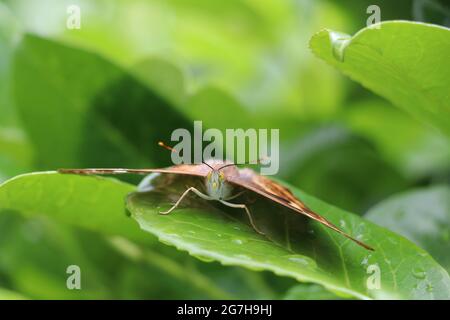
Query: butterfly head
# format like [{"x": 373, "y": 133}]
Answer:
[
  {"x": 215, "y": 178},
  {"x": 216, "y": 184}
]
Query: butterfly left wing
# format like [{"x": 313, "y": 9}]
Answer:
[
  {"x": 249, "y": 179},
  {"x": 199, "y": 170}
]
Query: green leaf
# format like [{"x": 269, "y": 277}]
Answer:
[
  {"x": 294, "y": 246},
  {"x": 405, "y": 62},
  {"x": 84, "y": 111},
  {"x": 10, "y": 295},
  {"x": 422, "y": 216},
  {"x": 89, "y": 202},
  {"x": 309, "y": 292}
]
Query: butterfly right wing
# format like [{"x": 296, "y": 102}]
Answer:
[
  {"x": 199, "y": 170},
  {"x": 272, "y": 190}
]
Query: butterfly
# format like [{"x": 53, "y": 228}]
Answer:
[{"x": 221, "y": 179}]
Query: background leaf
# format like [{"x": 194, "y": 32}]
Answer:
[
  {"x": 74, "y": 103},
  {"x": 422, "y": 216},
  {"x": 415, "y": 150},
  {"x": 402, "y": 61},
  {"x": 10, "y": 295},
  {"x": 335, "y": 164}
]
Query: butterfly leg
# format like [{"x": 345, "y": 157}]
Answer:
[
  {"x": 236, "y": 195},
  {"x": 201, "y": 195},
  {"x": 242, "y": 206}
]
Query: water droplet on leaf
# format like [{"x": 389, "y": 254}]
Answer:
[
  {"x": 365, "y": 260},
  {"x": 302, "y": 260},
  {"x": 339, "y": 41},
  {"x": 419, "y": 273},
  {"x": 238, "y": 241}
]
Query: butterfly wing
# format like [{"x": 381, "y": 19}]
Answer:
[
  {"x": 199, "y": 170},
  {"x": 266, "y": 187}
]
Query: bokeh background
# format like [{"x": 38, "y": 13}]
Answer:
[{"x": 240, "y": 63}]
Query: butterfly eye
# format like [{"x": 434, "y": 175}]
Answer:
[{"x": 221, "y": 176}]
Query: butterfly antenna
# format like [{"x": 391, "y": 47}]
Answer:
[
  {"x": 259, "y": 161},
  {"x": 162, "y": 144},
  {"x": 209, "y": 165}
]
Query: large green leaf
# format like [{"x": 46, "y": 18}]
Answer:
[
  {"x": 84, "y": 111},
  {"x": 294, "y": 246},
  {"x": 405, "y": 62},
  {"x": 422, "y": 216}
]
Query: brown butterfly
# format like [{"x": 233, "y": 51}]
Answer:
[{"x": 221, "y": 179}]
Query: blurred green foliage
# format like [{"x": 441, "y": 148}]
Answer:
[{"x": 104, "y": 94}]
